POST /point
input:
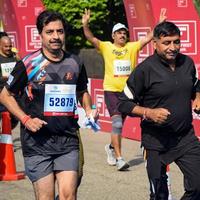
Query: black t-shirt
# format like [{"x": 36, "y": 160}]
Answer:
[
  {"x": 154, "y": 85},
  {"x": 30, "y": 78}
]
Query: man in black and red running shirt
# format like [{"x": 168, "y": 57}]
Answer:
[{"x": 50, "y": 82}]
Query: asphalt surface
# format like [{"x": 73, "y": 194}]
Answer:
[{"x": 100, "y": 181}]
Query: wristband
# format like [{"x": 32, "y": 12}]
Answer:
[
  {"x": 25, "y": 119},
  {"x": 144, "y": 116}
]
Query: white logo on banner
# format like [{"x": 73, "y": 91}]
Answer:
[
  {"x": 132, "y": 10},
  {"x": 141, "y": 32},
  {"x": 38, "y": 10},
  {"x": 13, "y": 37},
  {"x": 33, "y": 41},
  {"x": 188, "y": 30},
  {"x": 100, "y": 103},
  {"x": 182, "y": 3},
  {"x": 22, "y": 3}
]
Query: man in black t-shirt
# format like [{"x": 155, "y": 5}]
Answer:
[
  {"x": 50, "y": 82},
  {"x": 161, "y": 90},
  {"x": 8, "y": 60}
]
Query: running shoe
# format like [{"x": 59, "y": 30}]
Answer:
[
  {"x": 111, "y": 160},
  {"x": 121, "y": 164}
]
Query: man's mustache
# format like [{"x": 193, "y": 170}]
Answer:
[
  {"x": 122, "y": 37},
  {"x": 56, "y": 42},
  {"x": 174, "y": 51}
]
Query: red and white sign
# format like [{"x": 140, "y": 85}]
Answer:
[
  {"x": 188, "y": 36},
  {"x": 32, "y": 38},
  {"x": 139, "y": 33},
  {"x": 22, "y": 3},
  {"x": 182, "y": 3},
  {"x": 97, "y": 94},
  {"x": 19, "y": 18}
]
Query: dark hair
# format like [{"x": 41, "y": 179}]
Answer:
[
  {"x": 2, "y": 34},
  {"x": 166, "y": 29},
  {"x": 48, "y": 16}
]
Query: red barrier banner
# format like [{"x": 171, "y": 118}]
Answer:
[
  {"x": 97, "y": 94},
  {"x": 140, "y": 19},
  {"x": 19, "y": 18}
]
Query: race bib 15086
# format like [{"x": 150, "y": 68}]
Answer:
[{"x": 122, "y": 68}]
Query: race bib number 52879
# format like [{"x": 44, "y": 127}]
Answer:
[{"x": 60, "y": 100}]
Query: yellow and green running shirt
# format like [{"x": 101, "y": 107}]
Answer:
[{"x": 119, "y": 63}]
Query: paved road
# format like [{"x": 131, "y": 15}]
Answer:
[{"x": 100, "y": 182}]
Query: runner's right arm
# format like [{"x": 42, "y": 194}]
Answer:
[{"x": 16, "y": 83}]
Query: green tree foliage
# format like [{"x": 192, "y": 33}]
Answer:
[
  {"x": 104, "y": 14},
  {"x": 197, "y": 5}
]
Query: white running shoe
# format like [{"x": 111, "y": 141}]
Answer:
[
  {"x": 111, "y": 160},
  {"x": 122, "y": 165}
]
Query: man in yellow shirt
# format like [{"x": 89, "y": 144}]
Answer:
[{"x": 120, "y": 58}]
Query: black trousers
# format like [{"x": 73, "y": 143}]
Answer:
[{"x": 188, "y": 163}]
